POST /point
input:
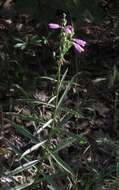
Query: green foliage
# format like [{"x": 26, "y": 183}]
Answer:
[
  {"x": 49, "y": 154},
  {"x": 56, "y": 138}
]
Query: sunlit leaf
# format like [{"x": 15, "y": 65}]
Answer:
[
  {"x": 47, "y": 124},
  {"x": 33, "y": 148},
  {"x": 25, "y": 166}
]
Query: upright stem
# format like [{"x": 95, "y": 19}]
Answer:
[{"x": 57, "y": 94}]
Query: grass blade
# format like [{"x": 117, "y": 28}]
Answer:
[
  {"x": 23, "y": 186},
  {"x": 25, "y": 117},
  {"x": 21, "y": 129},
  {"x": 47, "y": 124},
  {"x": 25, "y": 166},
  {"x": 60, "y": 162},
  {"x": 66, "y": 90},
  {"x": 62, "y": 79},
  {"x": 65, "y": 144},
  {"x": 33, "y": 148}
]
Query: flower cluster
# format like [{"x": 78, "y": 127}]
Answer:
[{"x": 77, "y": 42}]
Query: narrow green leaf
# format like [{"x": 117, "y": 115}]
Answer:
[
  {"x": 37, "y": 102},
  {"x": 71, "y": 111},
  {"x": 22, "y": 130},
  {"x": 65, "y": 144},
  {"x": 18, "y": 45},
  {"x": 25, "y": 117},
  {"x": 25, "y": 166},
  {"x": 47, "y": 124},
  {"x": 52, "y": 99},
  {"x": 80, "y": 137},
  {"x": 18, "y": 39},
  {"x": 60, "y": 162},
  {"x": 16, "y": 150},
  {"x": 49, "y": 78},
  {"x": 23, "y": 186},
  {"x": 33, "y": 148},
  {"x": 62, "y": 79},
  {"x": 66, "y": 90},
  {"x": 55, "y": 80}
]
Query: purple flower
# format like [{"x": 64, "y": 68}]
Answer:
[
  {"x": 54, "y": 26},
  {"x": 79, "y": 44},
  {"x": 79, "y": 41},
  {"x": 78, "y": 47},
  {"x": 67, "y": 29}
]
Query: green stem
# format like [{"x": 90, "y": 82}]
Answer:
[{"x": 57, "y": 94}]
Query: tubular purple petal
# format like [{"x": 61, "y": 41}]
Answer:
[
  {"x": 78, "y": 47},
  {"x": 68, "y": 29},
  {"x": 54, "y": 26},
  {"x": 79, "y": 41}
]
